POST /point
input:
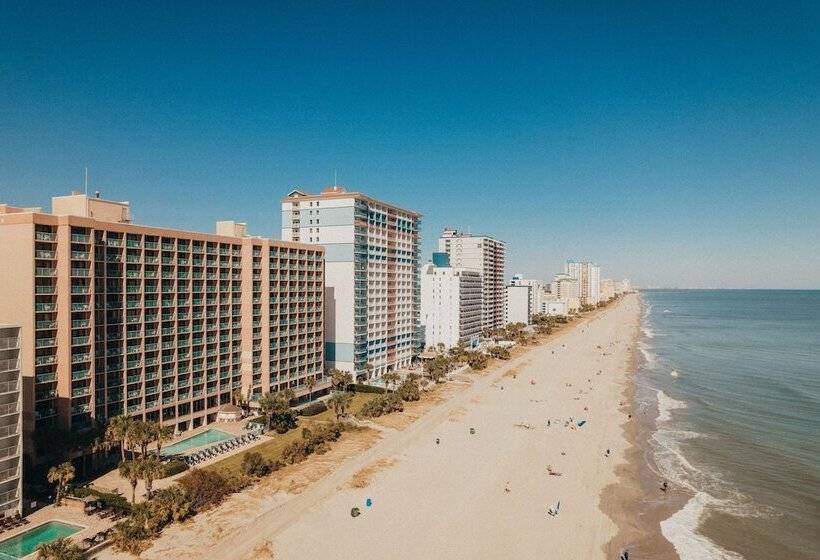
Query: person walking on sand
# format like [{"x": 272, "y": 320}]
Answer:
[
  {"x": 438, "y": 441},
  {"x": 664, "y": 486},
  {"x": 507, "y": 487}
]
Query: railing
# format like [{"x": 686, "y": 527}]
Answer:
[{"x": 10, "y": 408}]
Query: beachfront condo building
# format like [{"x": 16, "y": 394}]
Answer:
[
  {"x": 450, "y": 304},
  {"x": 11, "y": 433},
  {"x": 487, "y": 256},
  {"x": 156, "y": 323},
  {"x": 518, "y": 304},
  {"x": 372, "y": 290},
  {"x": 588, "y": 276}
]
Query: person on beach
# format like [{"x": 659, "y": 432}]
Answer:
[
  {"x": 438, "y": 441},
  {"x": 607, "y": 452},
  {"x": 664, "y": 486},
  {"x": 507, "y": 487}
]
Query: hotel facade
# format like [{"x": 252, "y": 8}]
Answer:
[
  {"x": 450, "y": 305},
  {"x": 485, "y": 255},
  {"x": 372, "y": 289},
  {"x": 155, "y": 323},
  {"x": 588, "y": 276},
  {"x": 11, "y": 428}
]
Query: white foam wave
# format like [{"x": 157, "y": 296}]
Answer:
[
  {"x": 681, "y": 530},
  {"x": 666, "y": 405},
  {"x": 674, "y": 373},
  {"x": 648, "y": 356},
  {"x": 648, "y": 332}
]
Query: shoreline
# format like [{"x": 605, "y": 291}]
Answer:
[{"x": 635, "y": 502}]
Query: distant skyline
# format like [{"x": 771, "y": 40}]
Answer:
[{"x": 675, "y": 145}]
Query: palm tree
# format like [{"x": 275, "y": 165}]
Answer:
[
  {"x": 311, "y": 383},
  {"x": 173, "y": 502},
  {"x": 61, "y": 475},
  {"x": 340, "y": 402},
  {"x": 117, "y": 432},
  {"x": 130, "y": 470},
  {"x": 340, "y": 379},
  {"x": 161, "y": 434},
  {"x": 60, "y": 549},
  {"x": 390, "y": 378},
  {"x": 150, "y": 469},
  {"x": 141, "y": 434}
]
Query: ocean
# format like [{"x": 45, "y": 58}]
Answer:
[{"x": 735, "y": 378}]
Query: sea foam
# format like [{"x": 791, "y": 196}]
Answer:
[
  {"x": 666, "y": 404},
  {"x": 681, "y": 530}
]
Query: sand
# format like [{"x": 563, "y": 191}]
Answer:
[{"x": 449, "y": 500}]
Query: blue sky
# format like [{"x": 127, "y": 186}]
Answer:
[{"x": 677, "y": 144}]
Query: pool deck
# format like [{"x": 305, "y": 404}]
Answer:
[
  {"x": 66, "y": 514},
  {"x": 112, "y": 482}
]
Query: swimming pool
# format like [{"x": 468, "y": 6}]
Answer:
[
  {"x": 205, "y": 438},
  {"x": 25, "y": 543}
]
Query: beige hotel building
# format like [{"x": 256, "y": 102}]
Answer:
[{"x": 151, "y": 322}]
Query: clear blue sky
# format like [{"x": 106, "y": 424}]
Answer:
[{"x": 676, "y": 144}]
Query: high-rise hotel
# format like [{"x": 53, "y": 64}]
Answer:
[
  {"x": 156, "y": 323},
  {"x": 485, "y": 255},
  {"x": 588, "y": 276},
  {"x": 11, "y": 429},
  {"x": 372, "y": 290}
]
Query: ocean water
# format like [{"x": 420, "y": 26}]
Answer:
[{"x": 735, "y": 378}]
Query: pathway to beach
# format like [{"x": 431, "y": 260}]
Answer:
[{"x": 451, "y": 500}]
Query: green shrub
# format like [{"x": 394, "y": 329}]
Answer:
[
  {"x": 381, "y": 405},
  {"x": 204, "y": 488},
  {"x": 409, "y": 391},
  {"x": 313, "y": 441},
  {"x": 362, "y": 388},
  {"x": 174, "y": 467},
  {"x": 253, "y": 464},
  {"x": 109, "y": 500},
  {"x": 313, "y": 408}
]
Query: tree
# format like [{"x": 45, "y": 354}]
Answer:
[
  {"x": 340, "y": 379},
  {"x": 61, "y": 475},
  {"x": 60, "y": 549},
  {"x": 141, "y": 434},
  {"x": 130, "y": 470},
  {"x": 117, "y": 432},
  {"x": 369, "y": 369},
  {"x": 173, "y": 503},
  {"x": 276, "y": 409},
  {"x": 340, "y": 402},
  {"x": 310, "y": 383},
  {"x": 150, "y": 469},
  {"x": 161, "y": 434},
  {"x": 390, "y": 378}
]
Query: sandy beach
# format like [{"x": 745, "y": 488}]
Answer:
[{"x": 481, "y": 495}]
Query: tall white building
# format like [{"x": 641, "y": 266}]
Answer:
[
  {"x": 487, "y": 256},
  {"x": 518, "y": 304},
  {"x": 589, "y": 280},
  {"x": 372, "y": 291},
  {"x": 11, "y": 421},
  {"x": 450, "y": 305}
]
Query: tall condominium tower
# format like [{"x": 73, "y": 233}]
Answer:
[
  {"x": 485, "y": 255},
  {"x": 156, "y": 323},
  {"x": 371, "y": 280},
  {"x": 588, "y": 276},
  {"x": 11, "y": 429},
  {"x": 450, "y": 305}
]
